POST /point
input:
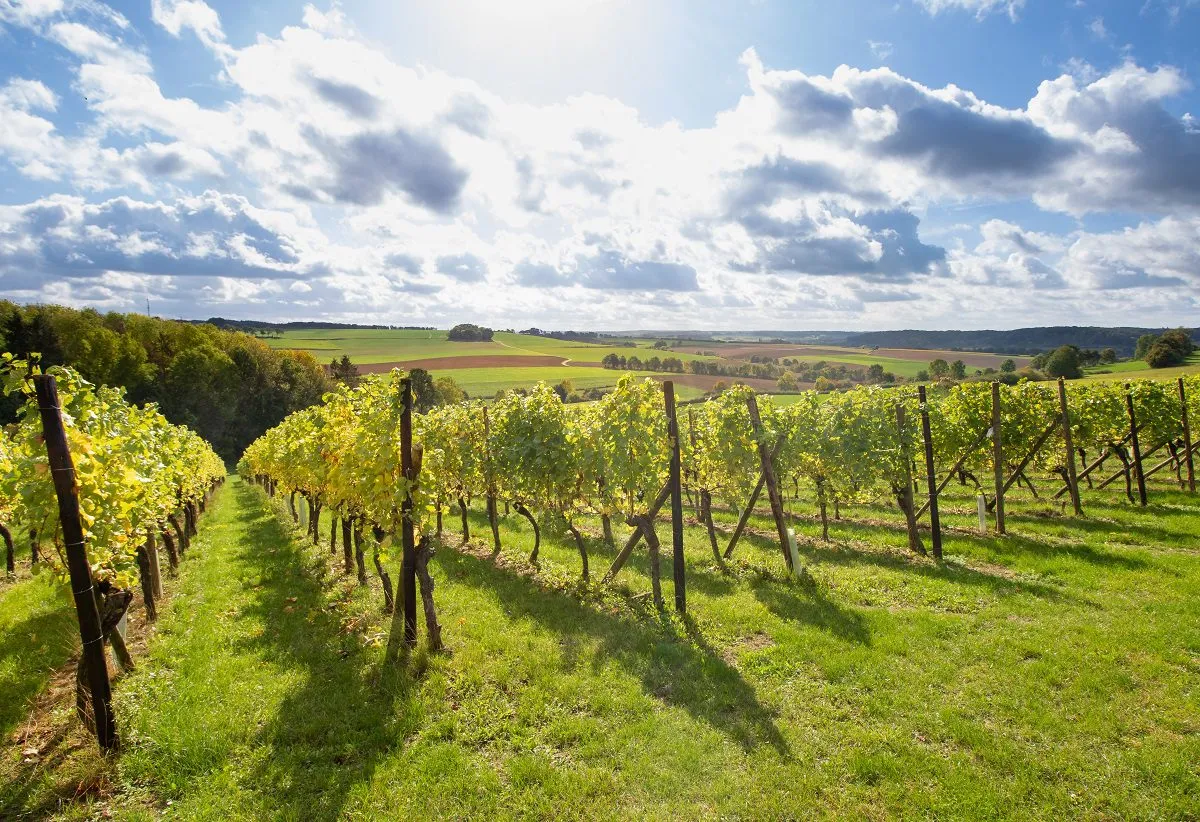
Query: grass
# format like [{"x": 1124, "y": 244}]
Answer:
[
  {"x": 1138, "y": 370},
  {"x": 38, "y": 634},
  {"x": 1047, "y": 674}
]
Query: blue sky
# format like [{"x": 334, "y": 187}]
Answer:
[{"x": 606, "y": 163}]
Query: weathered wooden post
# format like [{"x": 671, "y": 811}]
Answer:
[
  {"x": 1187, "y": 439},
  {"x": 493, "y": 517},
  {"x": 408, "y": 568},
  {"x": 935, "y": 522},
  {"x": 906, "y": 500},
  {"x": 62, "y": 470},
  {"x": 768, "y": 472},
  {"x": 998, "y": 458},
  {"x": 1137, "y": 448},
  {"x": 1072, "y": 480},
  {"x": 676, "y": 482},
  {"x": 155, "y": 566}
]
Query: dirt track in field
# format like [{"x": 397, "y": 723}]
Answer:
[
  {"x": 742, "y": 351},
  {"x": 470, "y": 361}
]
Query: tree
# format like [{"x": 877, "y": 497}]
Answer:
[
  {"x": 923, "y": 375},
  {"x": 468, "y": 332},
  {"x": 448, "y": 391},
  {"x": 1108, "y": 356},
  {"x": 611, "y": 361},
  {"x": 1063, "y": 362},
  {"x": 958, "y": 370},
  {"x": 787, "y": 382},
  {"x": 875, "y": 373},
  {"x": 1143, "y": 346},
  {"x": 344, "y": 371},
  {"x": 939, "y": 369},
  {"x": 1009, "y": 366},
  {"x": 1172, "y": 348},
  {"x": 424, "y": 393}
]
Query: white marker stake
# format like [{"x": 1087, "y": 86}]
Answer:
[
  {"x": 981, "y": 503},
  {"x": 795, "y": 553}
]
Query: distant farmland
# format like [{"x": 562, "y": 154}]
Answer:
[{"x": 518, "y": 360}]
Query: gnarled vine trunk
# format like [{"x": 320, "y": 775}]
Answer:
[
  {"x": 10, "y": 562},
  {"x": 579, "y": 543},
  {"x": 466, "y": 527},
  {"x": 537, "y": 532},
  {"x": 433, "y": 630},
  {"x": 389, "y": 600},
  {"x": 644, "y": 524}
]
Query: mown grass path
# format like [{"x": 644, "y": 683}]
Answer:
[{"x": 1049, "y": 674}]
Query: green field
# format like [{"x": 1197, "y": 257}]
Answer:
[
  {"x": 1138, "y": 370},
  {"x": 1047, "y": 674},
  {"x": 368, "y": 346},
  {"x": 374, "y": 346}
]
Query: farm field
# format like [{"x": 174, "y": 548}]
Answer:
[
  {"x": 1138, "y": 370},
  {"x": 519, "y": 360},
  {"x": 1049, "y": 673}
]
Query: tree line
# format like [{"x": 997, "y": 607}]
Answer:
[{"x": 227, "y": 386}]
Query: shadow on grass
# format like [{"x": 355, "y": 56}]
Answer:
[
  {"x": 35, "y": 646},
  {"x": 676, "y": 666},
  {"x": 330, "y": 732},
  {"x": 845, "y": 554},
  {"x": 802, "y": 601}
]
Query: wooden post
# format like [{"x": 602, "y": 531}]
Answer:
[
  {"x": 907, "y": 503},
  {"x": 155, "y": 568},
  {"x": 768, "y": 470},
  {"x": 676, "y": 500},
  {"x": 1137, "y": 449},
  {"x": 935, "y": 522},
  {"x": 62, "y": 469},
  {"x": 408, "y": 568},
  {"x": 1072, "y": 480},
  {"x": 631, "y": 543},
  {"x": 491, "y": 488},
  {"x": 1187, "y": 439},
  {"x": 998, "y": 458}
]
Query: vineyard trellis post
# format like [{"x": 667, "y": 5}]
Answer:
[
  {"x": 998, "y": 458},
  {"x": 935, "y": 522},
  {"x": 1137, "y": 448},
  {"x": 906, "y": 499},
  {"x": 1069, "y": 453},
  {"x": 1187, "y": 439},
  {"x": 490, "y": 481},
  {"x": 768, "y": 475},
  {"x": 676, "y": 482},
  {"x": 62, "y": 470},
  {"x": 408, "y": 567}
]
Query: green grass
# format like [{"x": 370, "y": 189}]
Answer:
[
  {"x": 485, "y": 382},
  {"x": 366, "y": 345},
  {"x": 37, "y": 634},
  {"x": 1047, "y": 674},
  {"x": 1138, "y": 370}
]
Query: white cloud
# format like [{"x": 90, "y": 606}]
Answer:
[
  {"x": 980, "y": 8},
  {"x": 366, "y": 186},
  {"x": 177, "y": 15},
  {"x": 881, "y": 48}
]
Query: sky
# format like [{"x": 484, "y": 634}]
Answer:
[{"x": 606, "y": 164}]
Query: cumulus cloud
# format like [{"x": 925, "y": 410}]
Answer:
[
  {"x": 610, "y": 271},
  {"x": 807, "y": 198},
  {"x": 980, "y": 8},
  {"x": 465, "y": 268},
  {"x": 207, "y": 235}
]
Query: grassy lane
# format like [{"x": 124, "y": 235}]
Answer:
[
  {"x": 37, "y": 635},
  {"x": 1048, "y": 674}
]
